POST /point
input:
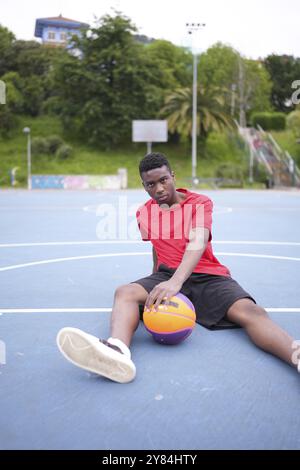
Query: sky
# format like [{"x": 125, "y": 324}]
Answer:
[{"x": 255, "y": 28}]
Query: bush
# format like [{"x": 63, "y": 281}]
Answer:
[
  {"x": 278, "y": 121},
  {"x": 293, "y": 122},
  {"x": 232, "y": 174},
  {"x": 217, "y": 147},
  {"x": 261, "y": 175},
  {"x": 269, "y": 121},
  {"x": 52, "y": 106},
  {"x": 8, "y": 121},
  {"x": 53, "y": 143},
  {"x": 64, "y": 152},
  {"x": 49, "y": 146},
  {"x": 261, "y": 119},
  {"x": 224, "y": 147},
  {"x": 39, "y": 146}
]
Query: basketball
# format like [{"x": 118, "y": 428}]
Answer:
[{"x": 173, "y": 322}]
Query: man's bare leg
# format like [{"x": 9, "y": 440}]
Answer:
[
  {"x": 125, "y": 313},
  {"x": 111, "y": 358},
  {"x": 266, "y": 334}
]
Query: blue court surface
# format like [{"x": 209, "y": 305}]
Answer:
[{"x": 216, "y": 390}]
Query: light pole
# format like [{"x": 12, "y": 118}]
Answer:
[
  {"x": 242, "y": 93},
  {"x": 193, "y": 28},
  {"x": 26, "y": 130},
  {"x": 233, "y": 90}
]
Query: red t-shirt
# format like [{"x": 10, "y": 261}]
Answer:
[{"x": 168, "y": 231}]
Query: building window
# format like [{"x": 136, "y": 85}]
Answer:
[
  {"x": 63, "y": 36},
  {"x": 51, "y": 35}
]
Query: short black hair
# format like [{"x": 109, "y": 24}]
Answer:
[{"x": 153, "y": 160}]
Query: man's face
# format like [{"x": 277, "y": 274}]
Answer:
[{"x": 160, "y": 185}]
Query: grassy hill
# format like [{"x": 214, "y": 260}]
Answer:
[{"x": 222, "y": 150}]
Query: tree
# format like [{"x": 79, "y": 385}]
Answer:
[
  {"x": 110, "y": 85},
  {"x": 14, "y": 99},
  {"x": 14, "y": 103},
  {"x": 219, "y": 67},
  {"x": 34, "y": 63},
  {"x": 257, "y": 88},
  {"x": 29, "y": 58},
  {"x": 6, "y": 41},
  {"x": 284, "y": 70},
  {"x": 27, "y": 65},
  {"x": 171, "y": 68},
  {"x": 33, "y": 93},
  {"x": 174, "y": 62},
  {"x": 210, "y": 111},
  {"x": 245, "y": 84}
]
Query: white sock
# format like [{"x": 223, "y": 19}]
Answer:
[{"x": 117, "y": 342}]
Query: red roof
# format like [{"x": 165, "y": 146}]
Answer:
[{"x": 60, "y": 18}]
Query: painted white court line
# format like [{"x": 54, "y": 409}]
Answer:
[
  {"x": 248, "y": 242},
  {"x": 73, "y": 258},
  {"x": 98, "y": 242},
  {"x": 40, "y": 208},
  {"x": 55, "y": 310},
  {"x": 251, "y": 255},
  {"x": 111, "y": 255},
  {"x": 134, "y": 242},
  {"x": 283, "y": 310},
  {"x": 108, "y": 310}
]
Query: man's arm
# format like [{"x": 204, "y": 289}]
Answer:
[
  {"x": 154, "y": 260},
  {"x": 194, "y": 250}
]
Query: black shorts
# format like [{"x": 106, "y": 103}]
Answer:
[{"x": 211, "y": 295}]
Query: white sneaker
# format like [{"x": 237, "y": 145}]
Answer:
[{"x": 98, "y": 356}]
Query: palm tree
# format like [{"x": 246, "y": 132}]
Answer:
[{"x": 211, "y": 116}]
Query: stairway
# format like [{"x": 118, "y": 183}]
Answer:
[{"x": 279, "y": 165}]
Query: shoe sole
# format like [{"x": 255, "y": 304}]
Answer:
[{"x": 76, "y": 347}]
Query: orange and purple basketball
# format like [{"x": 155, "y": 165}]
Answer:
[{"x": 173, "y": 322}]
